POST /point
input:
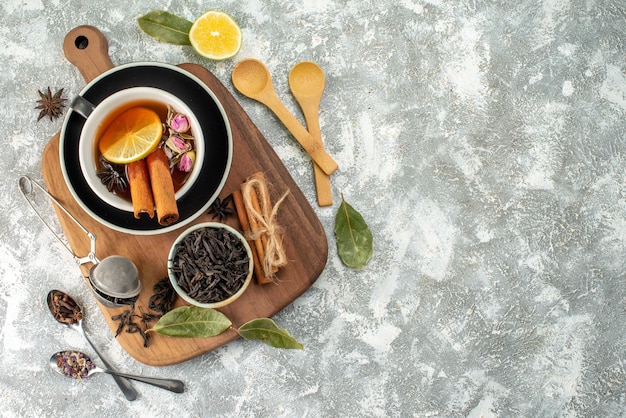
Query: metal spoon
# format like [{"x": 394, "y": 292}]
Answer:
[
  {"x": 75, "y": 320},
  {"x": 252, "y": 78},
  {"x": 59, "y": 363},
  {"x": 306, "y": 81}
]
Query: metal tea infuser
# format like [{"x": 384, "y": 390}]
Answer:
[{"x": 114, "y": 280}]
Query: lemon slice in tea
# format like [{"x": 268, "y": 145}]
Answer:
[
  {"x": 215, "y": 35},
  {"x": 131, "y": 136}
]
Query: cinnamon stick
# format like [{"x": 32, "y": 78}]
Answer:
[
  {"x": 162, "y": 187},
  {"x": 259, "y": 274},
  {"x": 140, "y": 189}
]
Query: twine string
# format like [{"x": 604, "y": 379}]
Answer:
[{"x": 265, "y": 218}]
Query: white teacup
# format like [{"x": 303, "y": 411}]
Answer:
[{"x": 97, "y": 116}]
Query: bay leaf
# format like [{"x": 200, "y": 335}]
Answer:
[
  {"x": 192, "y": 322},
  {"x": 166, "y": 27},
  {"x": 354, "y": 238},
  {"x": 266, "y": 330}
]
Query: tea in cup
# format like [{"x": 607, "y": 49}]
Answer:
[{"x": 110, "y": 180}]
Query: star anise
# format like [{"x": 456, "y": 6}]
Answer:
[
  {"x": 50, "y": 105},
  {"x": 113, "y": 176},
  {"x": 221, "y": 208}
]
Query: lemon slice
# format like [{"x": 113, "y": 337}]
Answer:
[
  {"x": 131, "y": 136},
  {"x": 215, "y": 35}
]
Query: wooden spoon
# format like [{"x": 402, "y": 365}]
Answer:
[
  {"x": 306, "y": 81},
  {"x": 253, "y": 80}
]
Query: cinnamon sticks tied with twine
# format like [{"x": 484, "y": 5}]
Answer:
[{"x": 258, "y": 221}]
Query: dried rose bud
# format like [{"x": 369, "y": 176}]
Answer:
[
  {"x": 177, "y": 144},
  {"x": 180, "y": 123},
  {"x": 186, "y": 161}
]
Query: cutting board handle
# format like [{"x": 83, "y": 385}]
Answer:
[{"x": 87, "y": 48}]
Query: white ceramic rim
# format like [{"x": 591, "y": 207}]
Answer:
[
  {"x": 182, "y": 293},
  {"x": 86, "y": 151}
]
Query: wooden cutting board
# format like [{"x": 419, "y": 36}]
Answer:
[{"x": 304, "y": 238}]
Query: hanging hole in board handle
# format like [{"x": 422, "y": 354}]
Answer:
[
  {"x": 81, "y": 42},
  {"x": 88, "y": 49}
]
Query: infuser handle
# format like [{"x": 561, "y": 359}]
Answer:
[{"x": 26, "y": 184}]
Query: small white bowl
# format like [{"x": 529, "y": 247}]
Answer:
[
  {"x": 174, "y": 280},
  {"x": 119, "y": 102}
]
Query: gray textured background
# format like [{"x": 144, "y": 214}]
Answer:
[{"x": 482, "y": 141}]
